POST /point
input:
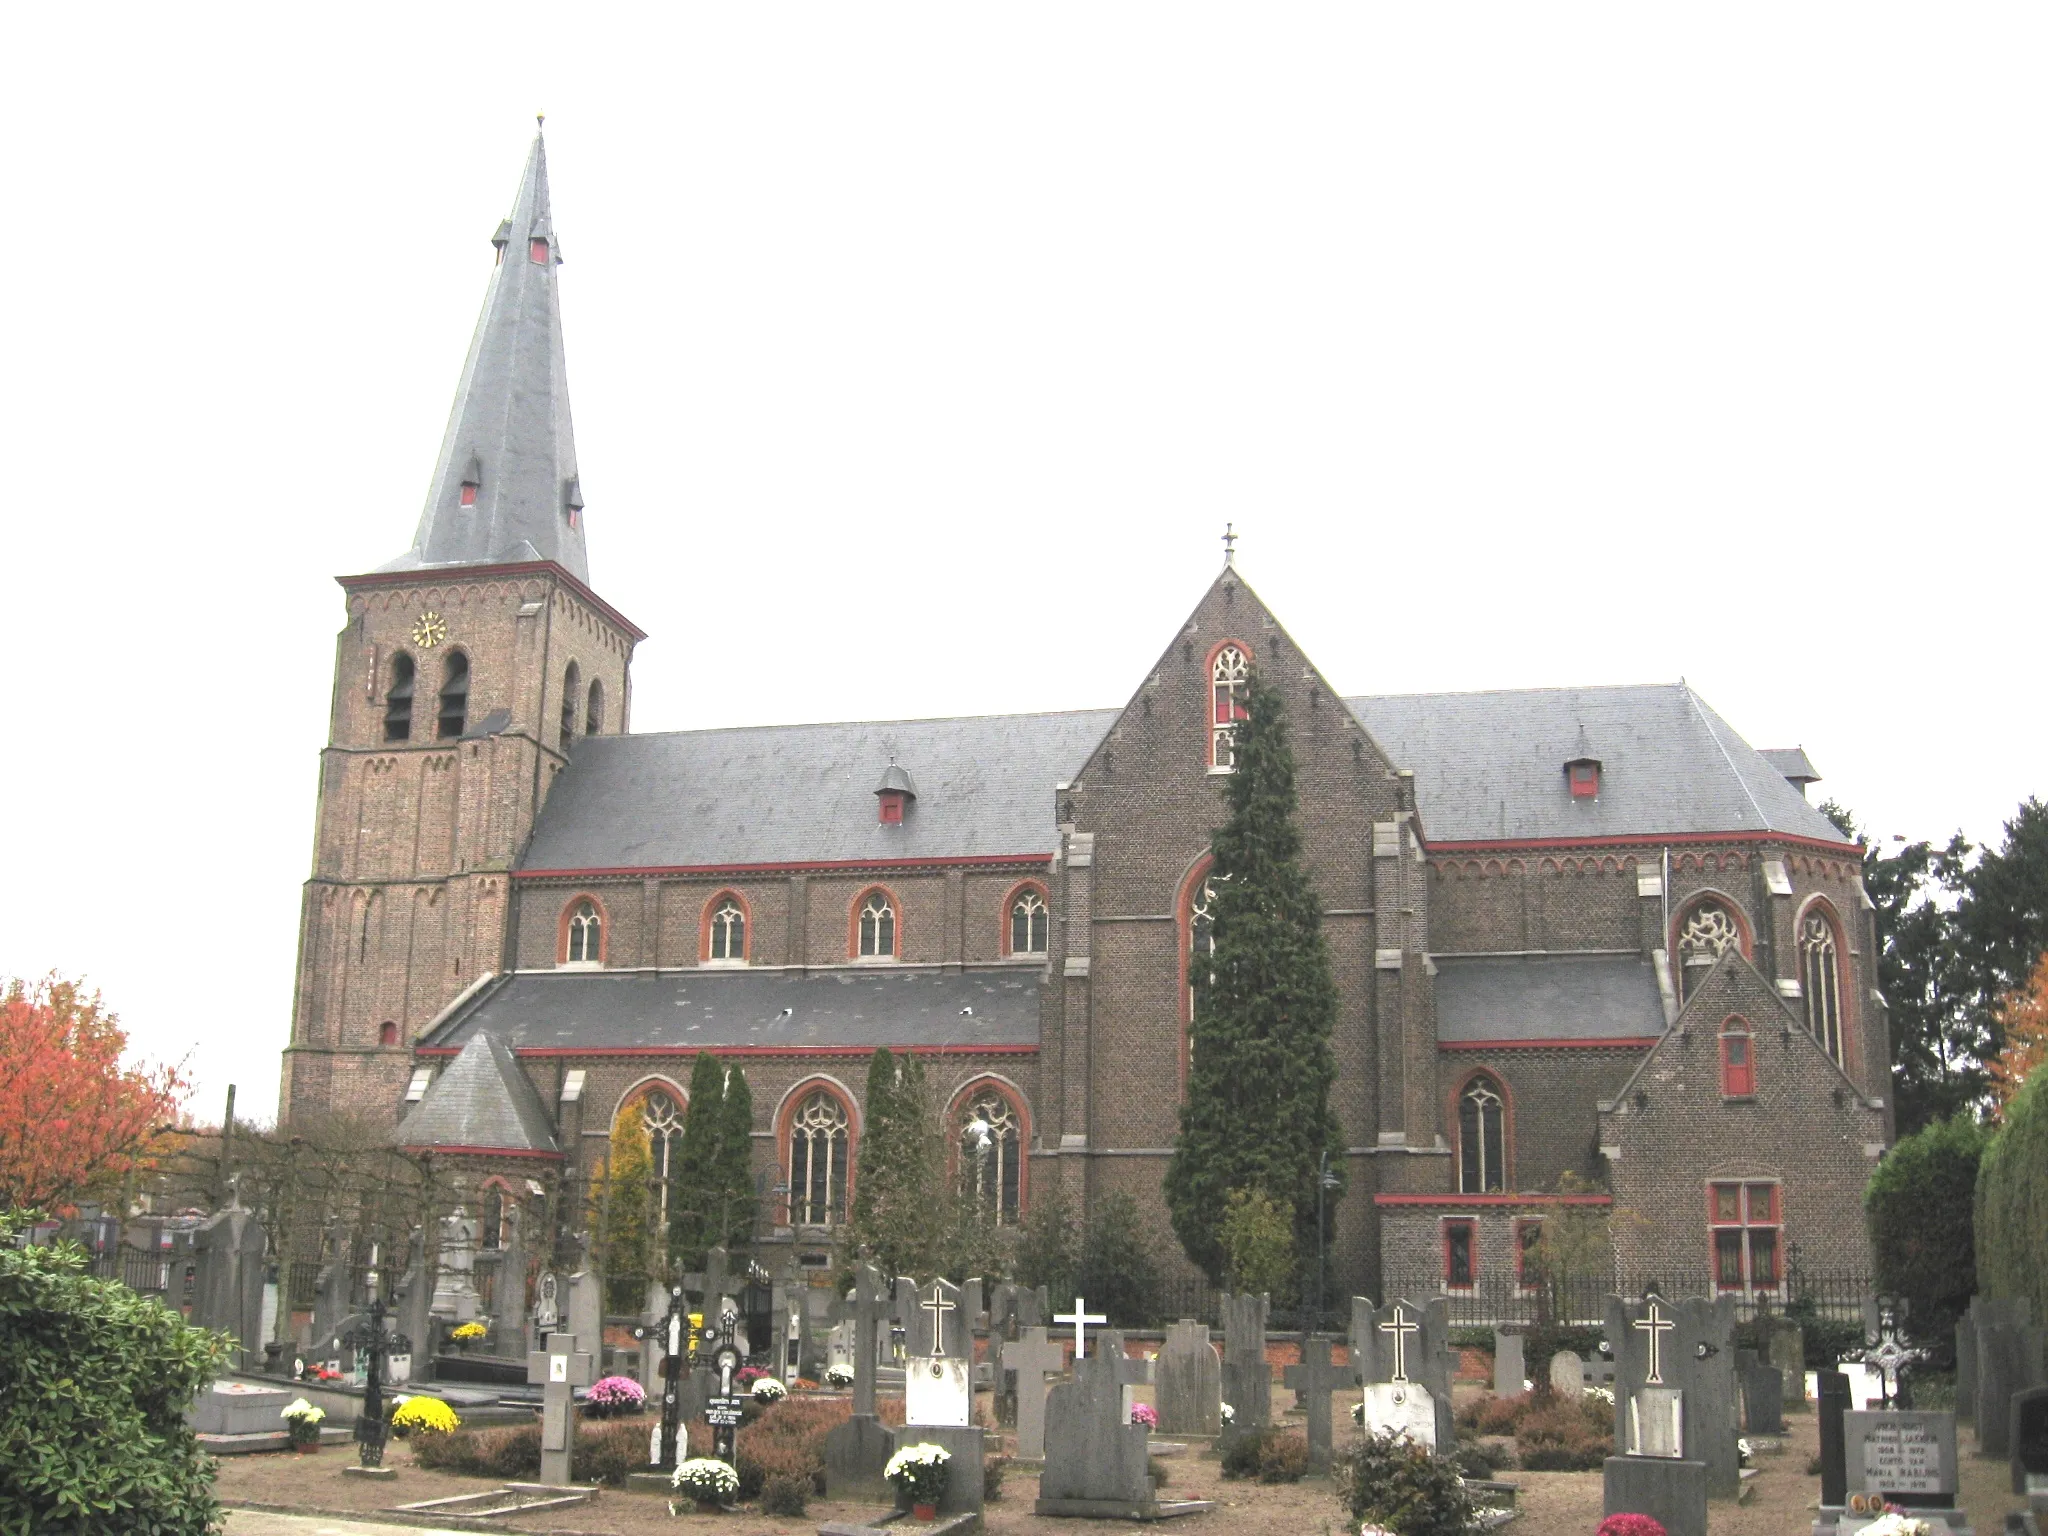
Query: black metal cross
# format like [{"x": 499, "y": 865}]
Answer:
[
  {"x": 368, "y": 1335},
  {"x": 674, "y": 1333}
]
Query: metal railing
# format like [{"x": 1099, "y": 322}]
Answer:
[{"x": 1581, "y": 1301}]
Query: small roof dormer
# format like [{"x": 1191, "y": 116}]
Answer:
[
  {"x": 894, "y": 794},
  {"x": 1582, "y": 775}
]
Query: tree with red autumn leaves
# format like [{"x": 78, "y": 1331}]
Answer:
[
  {"x": 2023, "y": 1020},
  {"x": 74, "y": 1122}
]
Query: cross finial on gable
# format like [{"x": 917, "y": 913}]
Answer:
[{"x": 1229, "y": 544}]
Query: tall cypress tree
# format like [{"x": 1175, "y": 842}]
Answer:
[
  {"x": 692, "y": 1170},
  {"x": 732, "y": 1171},
  {"x": 902, "y": 1207},
  {"x": 1257, "y": 1112}
]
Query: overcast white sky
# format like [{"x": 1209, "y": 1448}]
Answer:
[{"x": 919, "y": 355}]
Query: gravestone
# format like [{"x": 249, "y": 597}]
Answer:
[
  {"x": 972, "y": 1306},
  {"x": 1675, "y": 1384},
  {"x": 839, "y": 1348},
  {"x": 1190, "y": 1387},
  {"x": 1312, "y": 1381},
  {"x": 1567, "y": 1372},
  {"x": 332, "y": 1289},
  {"x": 412, "y": 1302},
  {"x": 1763, "y": 1394},
  {"x": 558, "y": 1370},
  {"x": 1674, "y": 1493},
  {"x": 586, "y": 1308},
  {"x": 1247, "y": 1380},
  {"x": 1078, "y": 1320},
  {"x": 1785, "y": 1349},
  {"x": 227, "y": 1281},
  {"x": 1510, "y": 1368},
  {"x": 1132, "y": 1371},
  {"x": 2029, "y": 1436},
  {"x": 1898, "y": 1456},
  {"x": 1831, "y": 1392},
  {"x": 1033, "y": 1357},
  {"x": 455, "y": 1282},
  {"x": 903, "y": 1321},
  {"x": 1998, "y": 1377},
  {"x": 1966, "y": 1363},
  {"x": 508, "y": 1293},
  {"x": 1097, "y": 1463},
  {"x": 936, "y": 1388},
  {"x": 1033, "y": 1307},
  {"x": 1407, "y": 1372},
  {"x": 858, "y": 1450}
]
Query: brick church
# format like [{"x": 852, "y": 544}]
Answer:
[{"x": 1575, "y": 930}]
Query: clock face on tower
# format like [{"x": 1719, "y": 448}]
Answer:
[{"x": 429, "y": 631}]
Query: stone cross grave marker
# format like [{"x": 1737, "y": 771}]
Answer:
[
  {"x": 936, "y": 1389},
  {"x": 1081, "y": 1317},
  {"x": 1763, "y": 1394},
  {"x": 1190, "y": 1381},
  {"x": 1889, "y": 1355},
  {"x": 1312, "y": 1381},
  {"x": 1897, "y": 1456},
  {"x": 1674, "y": 1395},
  {"x": 858, "y": 1450},
  {"x": 868, "y": 1312},
  {"x": 1247, "y": 1379},
  {"x": 1406, "y": 1373},
  {"x": 1034, "y": 1358},
  {"x": 1132, "y": 1372},
  {"x": 558, "y": 1370},
  {"x": 227, "y": 1284},
  {"x": 722, "y": 1409}
]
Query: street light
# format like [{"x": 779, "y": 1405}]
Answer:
[{"x": 1325, "y": 1182}]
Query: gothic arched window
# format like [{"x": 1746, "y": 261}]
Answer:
[
  {"x": 571, "y": 686},
  {"x": 454, "y": 696},
  {"x": 1201, "y": 942},
  {"x": 1707, "y": 933},
  {"x": 661, "y": 1117},
  {"x": 990, "y": 1141},
  {"x": 1229, "y": 676},
  {"x": 398, "y": 700},
  {"x": 585, "y": 934},
  {"x": 1029, "y": 922},
  {"x": 1820, "y": 979},
  {"x": 593, "y": 713},
  {"x": 876, "y": 921},
  {"x": 726, "y": 938},
  {"x": 1482, "y": 1138},
  {"x": 818, "y": 1147}
]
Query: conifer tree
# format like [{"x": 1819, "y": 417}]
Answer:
[
  {"x": 622, "y": 1207},
  {"x": 902, "y": 1207},
  {"x": 692, "y": 1173},
  {"x": 1257, "y": 1111},
  {"x": 731, "y": 1209}
]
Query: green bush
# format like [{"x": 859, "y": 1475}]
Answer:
[
  {"x": 1558, "y": 1434},
  {"x": 1920, "y": 1204},
  {"x": 1283, "y": 1458},
  {"x": 1240, "y": 1451},
  {"x": 1391, "y": 1482},
  {"x": 94, "y": 1384},
  {"x": 1824, "y": 1340},
  {"x": 1476, "y": 1460},
  {"x": 992, "y": 1470},
  {"x": 2012, "y": 1200},
  {"x": 605, "y": 1453},
  {"x": 783, "y": 1494}
]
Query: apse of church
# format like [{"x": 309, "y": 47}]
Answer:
[{"x": 1582, "y": 934}]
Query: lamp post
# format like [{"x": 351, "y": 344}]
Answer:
[{"x": 1325, "y": 1182}]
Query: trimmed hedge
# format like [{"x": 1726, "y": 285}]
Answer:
[
  {"x": 94, "y": 1384},
  {"x": 2012, "y": 1200},
  {"x": 1920, "y": 1205}
]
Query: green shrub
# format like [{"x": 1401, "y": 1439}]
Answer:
[
  {"x": 1559, "y": 1434},
  {"x": 94, "y": 1384},
  {"x": 783, "y": 1494},
  {"x": 1240, "y": 1451},
  {"x": 992, "y": 1470},
  {"x": 1391, "y": 1482},
  {"x": 1476, "y": 1460},
  {"x": 2012, "y": 1200},
  {"x": 1824, "y": 1340},
  {"x": 1283, "y": 1458},
  {"x": 1920, "y": 1204}
]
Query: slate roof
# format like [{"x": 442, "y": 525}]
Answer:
[
  {"x": 694, "y": 1009},
  {"x": 1547, "y": 997},
  {"x": 1490, "y": 766},
  {"x": 1792, "y": 763},
  {"x": 510, "y": 426},
  {"x": 806, "y": 793},
  {"x": 481, "y": 1099}
]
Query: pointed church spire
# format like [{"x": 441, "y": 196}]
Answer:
[{"x": 505, "y": 487}]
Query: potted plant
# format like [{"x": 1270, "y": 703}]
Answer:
[
  {"x": 1145, "y": 1414},
  {"x": 918, "y": 1473},
  {"x": 838, "y": 1377},
  {"x": 468, "y": 1334},
  {"x": 302, "y": 1424},
  {"x": 708, "y": 1480},
  {"x": 768, "y": 1390},
  {"x": 423, "y": 1416},
  {"x": 611, "y": 1396}
]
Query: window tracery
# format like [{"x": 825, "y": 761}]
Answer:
[
  {"x": 1820, "y": 980},
  {"x": 1707, "y": 934},
  {"x": 818, "y": 1141},
  {"x": 1029, "y": 923},
  {"x": 1482, "y": 1143},
  {"x": 1229, "y": 678},
  {"x": 877, "y": 927},
  {"x": 990, "y": 1169},
  {"x": 661, "y": 1117},
  {"x": 729, "y": 931},
  {"x": 586, "y": 933}
]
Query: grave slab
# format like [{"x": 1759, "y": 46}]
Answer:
[
  {"x": 1674, "y": 1493},
  {"x": 1509, "y": 1369},
  {"x": 1190, "y": 1377}
]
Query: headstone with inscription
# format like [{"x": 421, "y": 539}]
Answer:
[
  {"x": 936, "y": 1388},
  {"x": 1674, "y": 1384},
  {"x": 1899, "y": 1456},
  {"x": 1406, "y": 1372}
]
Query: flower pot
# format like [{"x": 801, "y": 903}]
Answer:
[
  {"x": 710, "y": 1507},
  {"x": 925, "y": 1511},
  {"x": 306, "y": 1447}
]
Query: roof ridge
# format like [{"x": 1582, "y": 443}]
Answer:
[
  {"x": 806, "y": 725},
  {"x": 1700, "y": 712},
  {"x": 1481, "y": 693}
]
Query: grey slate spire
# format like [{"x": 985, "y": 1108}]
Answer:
[{"x": 510, "y": 448}]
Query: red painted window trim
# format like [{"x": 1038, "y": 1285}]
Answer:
[
  {"x": 1745, "y": 1222},
  {"x": 1015, "y": 1098},
  {"x": 792, "y": 1101},
  {"x": 1009, "y": 897},
  {"x": 469, "y": 493},
  {"x": 717, "y": 899},
  {"x": 1845, "y": 991},
  {"x": 853, "y": 910},
  {"x": 387, "y": 1032},
  {"x": 889, "y": 807},
  {"x": 1472, "y": 1252},
  {"x": 537, "y": 252},
  {"x": 604, "y": 928},
  {"x": 1745, "y": 932},
  {"x": 1209, "y": 720},
  {"x": 1507, "y": 1124},
  {"x": 1738, "y": 1079}
]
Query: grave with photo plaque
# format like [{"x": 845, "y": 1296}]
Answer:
[
  {"x": 1404, "y": 1365},
  {"x": 1903, "y": 1457}
]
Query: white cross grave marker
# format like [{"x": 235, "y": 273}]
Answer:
[
  {"x": 1400, "y": 1328},
  {"x": 1081, "y": 1317},
  {"x": 1656, "y": 1325}
]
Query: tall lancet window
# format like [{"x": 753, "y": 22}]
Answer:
[
  {"x": 990, "y": 1173},
  {"x": 1820, "y": 979},
  {"x": 593, "y": 713},
  {"x": 1703, "y": 938},
  {"x": 818, "y": 1149},
  {"x": 1028, "y": 922},
  {"x": 585, "y": 934},
  {"x": 662, "y": 1118},
  {"x": 877, "y": 923},
  {"x": 571, "y": 686},
  {"x": 1482, "y": 1139},
  {"x": 1229, "y": 677}
]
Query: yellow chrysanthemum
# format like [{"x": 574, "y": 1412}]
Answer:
[{"x": 424, "y": 1416}]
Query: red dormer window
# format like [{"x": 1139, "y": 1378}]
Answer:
[
  {"x": 1738, "y": 1064},
  {"x": 469, "y": 493},
  {"x": 1583, "y": 774},
  {"x": 891, "y": 802},
  {"x": 537, "y": 252}
]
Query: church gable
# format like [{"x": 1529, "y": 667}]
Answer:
[{"x": 1737, "y": 1096}]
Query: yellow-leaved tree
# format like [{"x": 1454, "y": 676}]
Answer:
[{"x": 2023, "y": 1020}]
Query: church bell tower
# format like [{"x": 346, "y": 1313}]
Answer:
[{"x": 466, "y": 671}]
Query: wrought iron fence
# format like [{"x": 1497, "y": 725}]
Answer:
[{"x": 1582, "y": 1301}]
